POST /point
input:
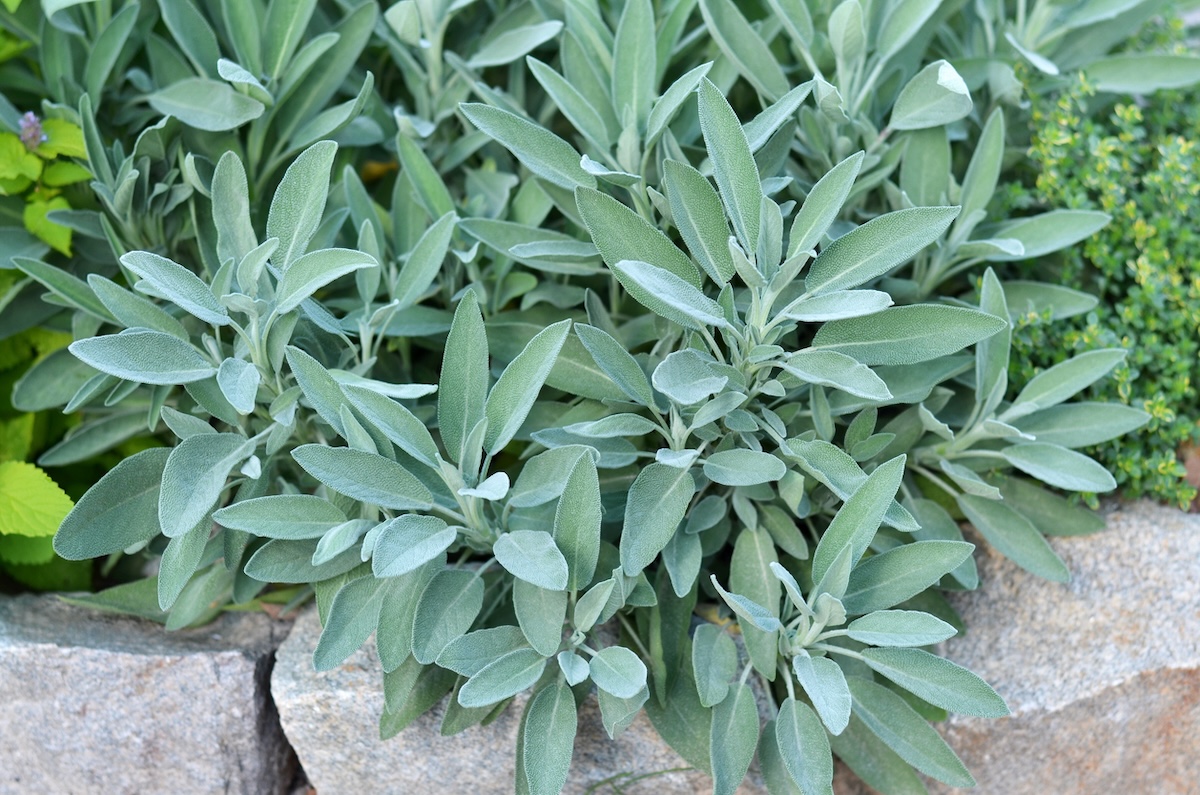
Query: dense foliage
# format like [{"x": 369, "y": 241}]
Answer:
[
  {"x": 1140, "y": 166},
  {"x": 644, "y": 349}
]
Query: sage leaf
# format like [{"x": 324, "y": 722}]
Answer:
[
  {"x": 745, "y": 49},
  {"x": 512, "y": 44},
  {"x": 285, "y": 516},
  {"x": 657, "y": 502},
  {"x": 621, "y": 234},
  {"x": 577, "y": 523},
  {"x": 698, "y": 214},
  {"x": 884, "y": 580},
  {"x": 531, "y": 555},
  {"x": 714, "y": 662},
  {"x": 503, "y": 677},
  {"x": 239, "y": 380},
  {"x": 937, "y": 680},
  {"x": 424, "y": 261},
  {"x": 405, "y": 543},
  {"x": 1082, "y": 424},
  {"x": 541, "y": 151},
  {"x": 1014, "y": 536},
  {"x": 195, "y": 476},
  {"x": 908, "y": 334},
  {"x": 804, "y": 748},
  {"x": 734, "y": 738},
  {"x": 687, "y": 377},
  {"x": 859, "y": 517},
  {"x": 395, "y": 422},
  {"x": 549, "y": 738},
  {"x": 733, "y": 164},
  {"x": 837, "y": 370},
  {"x": 635, "y": 64},
  {"x": 900, "y": 628},
  {"x": 667, "y": 295},
  {"x": 206, "y": 104},
  {"x": 743, "y": 468},
  {"x": 447, "y": 608},
  {"x": 178, "y": 285},
  {"x": 353, "y": 616},
  {"x": 750, "y": 574},
  {"x": 1059, "y": 467},
  {"x": 119, "y": 511},
  {"x": 368, "y": 477},
  {"x": 540, "y": 614},
  {"x": 618, "y": 671},
  {"x": 575, "y": 669},
  {"x": 144, "y": 356},
  {"x": 133, "y": 310},
  {"x": 822, "y": 205},
  {"x": 468, "y": 654},
  {"x": 463, "y": 389},
  {"x": 826, "y": 686},
  {"x": 1062, "y": 381},
  {"x": 312, "y": 271},
  {"x": 299, "y": 202},
  {"x": 510, "y": 400},
  {"x": 935, "y": 96}
]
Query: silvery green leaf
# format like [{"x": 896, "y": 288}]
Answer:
[
  {"x": 467, "y": 654},
  {"x": 494, "y": 488},
  {"x": 790, "y": 586},
  {"x": 796, "y": 20},
  {"x": 592, "y": 604},
  {"x": 503, "y": 677},
  {"x": 925, "y": 167},
  {"x": 1048, "y": 232},
  {"x": 575, "y": 669},
  {"x": 621, "y": 234},
  {"x": 763, "y": 127},
  {"x": 979, "y": 183},
  {"x": 206, "y": 104},
  {"x": 838, "y": 305},
  {"x": 804, "y": 748},
  {"x": 744, "y": 48},
  {"x": 687, "y": 378},
  {"x": 178, "y": 285},
  {"x": 907, "y": 733},
  {"x": 634, "y": 63},
  {"x": 616, "y": 362},
  {"x": 544, "y": 476},
  {"x": 743, "y": 467},
  {"x": 286, "y": 561},
  {"x": 429, "y": 189},
  {"x": 509, "y": 401},
  {"x": 63, "y": 285},
  {"x": 721, "y": 407},
  {"x": 937, "y": 680},
  {"x": 873, "y": 249},
  {"x": 195, "y": 476},
  {"x": 299, "y": 203},
  {"x": 424, "y": 261},
  {"x": 859, "y": 517},
  {"x": 285, "y": 516},
  {"x": 407, "y": 542},
  {"x": 680, "y": 459},
  {"x": 672, "y": 100},
  {"x": 532, "y": 556},
  {"x": 96, "y": 436},
  {"x": 714, "y": 662},
  {"x": 618, "y": 714},
  {"x": 621, "y": 179},
  {"x": 733, "y": 164},
  {"x": 618, "y": 671},
  {"x": 239, "y": 381},
  {"x": 322, "y": 392},
  {"x": 834, "y": 582},
  {"x": 340, "y": 538},
  {"x": 548, "y": 731},
  {"x": 352, "y": 617},
  {"x": 540, "y": 613},
  {"x": 657, "y": 502},
  {"x": 1059, "y": 467},
  {"x": 1050, "y": 514},
  {"x": 682, "y": 556},
  {"x": 572, "y": 103},
  {"x": 513, "y": 44},
  {"x": 908, "y": 334},
  {"x": 938, "y": 525},
  {"x": 577, "y": 522},
  {"x": 885, "y": 580},
  {"x": 119, "y": 511},
  {"x": 463, "y": 388},
  {"x": 734, "y": 738},
  {"x": 1144, "y": 73},
  {"x": 614, "y": 425},
  {"x": 667, "y": 295},
  {"x": 395, "y": 421},
  {"x": 822, "y": 205},
  {"x": 750, "y": 575},
  {"x": 133, "y": 310},
  {"x": 1062, "y": 381},
  {"x": 903, "y": 21},
  {"x": 368, "y": 477},
  {"x": 842, "y": 475},
  {"x": 242, "y": 77},
  {"x": 968, "y": 481},
  {"x": 542, "y": 152},
  {"x": 847, "y": 35},
  {"x": 1039, "y": 61},
  {"x": 900, "y": 628},
  {"x": 755, "y": 614},
  {"x": 994, "y": 250},
  {"x": 936, "y": 96},
  {"x": 180, "y": 560},
  {"x": 447, "y": 608},
  {"x": 837, "y": 370},
  {"x": 825, "y": 684},
  {"x": 1014, "y": 536},
  {"x": 144, "y": 356},
  {"x": 1039, "y": 297},
  {"x": 312, "y": 271},
  {"x": 700, "y": 218},
  {"x": 770, "y": 762}
]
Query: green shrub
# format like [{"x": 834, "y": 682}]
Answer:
[{"x": 1140, "y": 166}]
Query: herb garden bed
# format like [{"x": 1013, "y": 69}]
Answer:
[{"x": 1102, "y": 676}]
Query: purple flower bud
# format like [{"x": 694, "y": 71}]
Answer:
[{"x": 31, "y": 131}]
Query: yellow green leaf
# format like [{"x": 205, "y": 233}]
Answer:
[
  {"x": 64, "y": 172},
  {"x": 62, "y": 138},
  {"x": 56, "y": 236},
  {"x": 17, "y": 162},
  {"x": 31, "y": 503},
  {"x": 16, "y": 438},
  {"x": 26, "y": 550}
]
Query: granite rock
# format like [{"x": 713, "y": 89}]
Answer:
[
  {"x": 1102, "y": 674},
  {"x": 332, "y": 720},
  {"x": 97, "y": 703}
]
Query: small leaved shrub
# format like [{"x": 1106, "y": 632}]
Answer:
[{"x": 1140, "y": 165}]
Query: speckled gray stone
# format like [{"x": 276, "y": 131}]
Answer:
[
  {"x": 1102, "y": 674},
  {"x": 332, "y": 720},
  {"x": 97, "y": 703}
]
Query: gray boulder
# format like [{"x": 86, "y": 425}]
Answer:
[
  {"x": 332, "y": 720},
  {"x": 1102, "y": 674},
  {"x": 97, "y": 703}
]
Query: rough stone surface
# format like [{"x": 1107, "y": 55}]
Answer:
[
  {"x": 1102, "y": 674},
  {"x": 332, "y": 720},
  {"x": 96, "y": 703}
]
